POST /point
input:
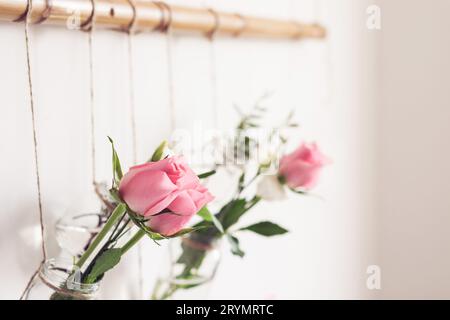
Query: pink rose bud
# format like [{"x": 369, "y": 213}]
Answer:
[
  {"x": 301, "y": 168},
  {"x": 168, "y": 185}
]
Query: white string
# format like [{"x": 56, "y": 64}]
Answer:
[
  {"x": 131, "y": 29},
  {"x": 131, "y": 97},
  {"x": 35, "y": 143},
  {"x": 134, "y": 145},
  {"x": 213, "y": 71},
  {"x": 213, "y": 79},
  {"x": 92, "y": 104},
  {"x": 170, "y": 76}
]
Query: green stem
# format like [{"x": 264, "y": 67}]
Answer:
[
  {"x": 166, "y": 294},
  {"x": 115, "y": 216},
  {"x": 138, "y": 236},
  {"x": 248, "y": 184},
  {"x": 169, "y": 292},
  {"x": 120, "y": 232}
]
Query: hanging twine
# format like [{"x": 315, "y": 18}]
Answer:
[
  {"x": 164, "y": 26},
  {"x": 92, "y": 111},
  {"x": 131, "y": 100},
  {"x": 134, "y": 144},
  {"x": 89, "y": 27},
  {"x": 212, "y": 58},
  {"x": 130, "y": 31},
  {"x": 171, "y": 81},
  {"x": 35, "y": 142}
]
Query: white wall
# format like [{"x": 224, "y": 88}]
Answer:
[
  {"x": 329, "y": 83},
  {"x": 414, "y": 151}
]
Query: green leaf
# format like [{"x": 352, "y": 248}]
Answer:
[
  {"x": 217, "y": 224},
  {"x": 205, "y": 214},
  {"x": 155, "y": 236},
  {"x": 117, "y": 169},
  {"x": 157, "y": 155},
  {"x": 290, "y": 116},
  {"x": 247, "y": 143},
  {"x": 183, "y": 232},
  {"x": 299, "y": 191},
  {"x": 106, "y": 261},
  {"x": 241, "y": 181},
  {"x": 208, "y": 216},
  {"x": 140, "y": 222},
  {"x": 265, "y": 165},
  {"x": 188, "y": 286},
  {"x": 234, "y": 243},
  {"x": 266, "y": 228},
  {"x": 231, "y": 213},
  {"x": 206, "y": 174}
]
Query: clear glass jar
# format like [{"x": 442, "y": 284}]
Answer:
[
  {"x": 58, "y": 280},
  {"x": 75, "y": 232},
  {"x": 193, "y": 265}
]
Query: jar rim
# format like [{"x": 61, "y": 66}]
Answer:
[
  {"x": 59, "y": 274},
  {"x": 65, "y": 222}
]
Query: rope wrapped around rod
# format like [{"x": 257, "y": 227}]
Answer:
[{"x": 146, "y": 15}]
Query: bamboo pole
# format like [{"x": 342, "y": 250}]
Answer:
[{"x": 145, "y": 15}]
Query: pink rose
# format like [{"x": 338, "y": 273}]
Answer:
[
  {"x": 301, "y": 168},
  {"x": 168, "y": 185}
]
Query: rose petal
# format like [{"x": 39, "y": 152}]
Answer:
[
  {"x": 168, "y": 223},
  {"x": 161, "y": 205},
  {"x": 183, "y": 204},
  {"x": 301, "y": 174},
  {"x": 201, "y": 197},
  {"x": 145, "y": 188}
]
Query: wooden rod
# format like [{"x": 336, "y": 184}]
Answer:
[{"x": 145, "y": 15}]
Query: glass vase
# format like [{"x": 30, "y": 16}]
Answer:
[
  {"x": 58, "y": 280},
  {"x": 192, "y": 266},
  {"x": 75, "y": 232}
]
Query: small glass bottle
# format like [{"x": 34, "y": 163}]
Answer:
[
  {"x": 193, "y": 265},
  {"x": 74, "y": 233},
  {"x": 57, "y": 279}
]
